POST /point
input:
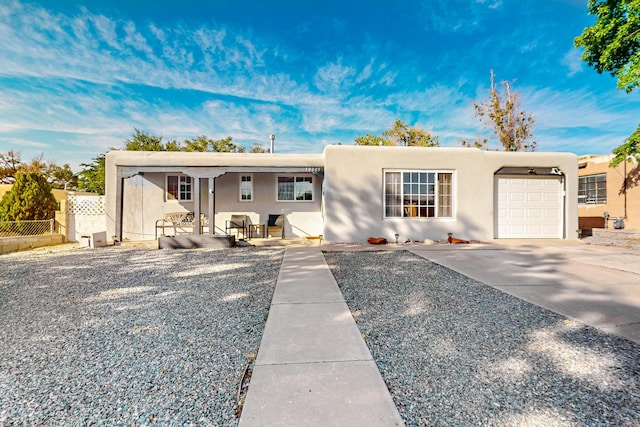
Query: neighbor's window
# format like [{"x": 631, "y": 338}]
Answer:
[
  {"x": 179, "y": 187},
  {"x": 592, "y": 189},
  {"x": 246, "y": 188},
  {"x": 418, "y": 194},
  {"x": 295, "y": 188}
]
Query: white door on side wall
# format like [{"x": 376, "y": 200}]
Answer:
[{"x": 528, "y": 207}]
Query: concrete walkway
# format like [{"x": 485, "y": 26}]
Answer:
[
  {"x": 313, "y": 367},
  {"x": 596, "y": 285}
]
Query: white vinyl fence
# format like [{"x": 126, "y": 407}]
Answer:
[{"x": 87, "y": 216}]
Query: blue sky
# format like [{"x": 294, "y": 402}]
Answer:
[{"x": 78, "y": 76}]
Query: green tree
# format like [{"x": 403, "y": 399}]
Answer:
[
  {"x": 258, "y": 148},
  {"x": 58, "y": 176},
  {"x": 200, "y": 143},
  {"x": 375, "y": 140},
  {"x": 142, "y": 141},
  {"x": 400, "y": 134},
  {"x": 502, "y": 113},
  {"x": 203, "y": 143},
  {"x": 225, "y": 145},
  {"x": 628, "y": 151},
  {"x": 173, "y": 145},
  {"x": 612, "y": 44},
  {"x": 30, "y": 198},
  {"x": 10, "y": 164},
  {"x": 92, "y": 176},
  {"x": 62, "y": 177}
]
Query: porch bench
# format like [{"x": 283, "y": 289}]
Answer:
[{"x": 181, "y": 222}]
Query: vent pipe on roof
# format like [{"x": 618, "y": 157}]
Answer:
[{"x": 272, "y": 138}]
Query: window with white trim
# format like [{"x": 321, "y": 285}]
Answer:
[
  {"x": 179, "y": 187},
  {"x": 592, "y": 189},
  {"x": 418, "y": 194},
  {"x": 246, "y": 188},
  {"x": 295, "y": 189}
]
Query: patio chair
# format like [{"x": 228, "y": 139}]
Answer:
[
  {"x": 237, "y": 222},
  {"x": 275, "y": 225}
]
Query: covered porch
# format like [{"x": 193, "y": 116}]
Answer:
[{"x": 162, "y": 193}]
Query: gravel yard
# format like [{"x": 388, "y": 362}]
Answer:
[
  {"x": 455, "y": 352},
  {"x": 118, "y": 336}
]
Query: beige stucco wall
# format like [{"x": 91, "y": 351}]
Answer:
[
  {"x": 354, "y": 175},
  {"x": 144, "y": 199},
  {"x": 302, "y": 218},
  {"x": 616, "y": 199},
  {"x": 351, "y": 209}
]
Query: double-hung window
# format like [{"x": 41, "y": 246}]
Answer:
[
  {"x": 246, "y": 188},
  {"x": 592, "y": 189},
  {"x": 179, "y": 187},
  {"x": 418, "y": 194},
  {"x": 295, "y": 188}
]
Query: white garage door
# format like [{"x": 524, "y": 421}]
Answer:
[{"x": 529, "y": 207}]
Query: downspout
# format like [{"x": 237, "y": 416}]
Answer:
[
  {"x": 121, "y": 213},
  {"x": 564, "y": 206}
]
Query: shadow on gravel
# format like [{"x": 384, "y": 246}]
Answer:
[
  {"x": 130, "y": 336},
  {"x": 454, "y": 351}
]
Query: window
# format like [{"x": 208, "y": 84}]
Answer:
[
  {"x": 179, "y": 187},
  {"x": 295, "y": 188},
  {"x": 592, "y": 189},
  {"x": 418, "y": 194},
  {"x": 246, "y": 188}
]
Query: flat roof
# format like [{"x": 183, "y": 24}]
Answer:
[{"x": 209, "y": 159}]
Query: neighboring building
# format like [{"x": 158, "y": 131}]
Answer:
[
  {"x": 350, "y": 193},
  {"x": 601, "y": 189}
]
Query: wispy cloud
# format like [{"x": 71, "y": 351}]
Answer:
[
  {"x": 89, "y": 78},
  {"x": 572, "y": 61},
  {"x": 460, "y": 16}
]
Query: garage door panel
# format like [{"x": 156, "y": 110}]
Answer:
[
  {"x": 534, "y": 214},
  {"x": 534, "y": 197},
  {"x": 517, "y": 197},
  {"x": 551, "y": 213},
  {"x": 529, "y": 207},
  {"x": 516, "y": 213}
]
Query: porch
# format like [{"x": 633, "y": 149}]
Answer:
[
  {"x": 160, "y": 194},
  {"x": 257, "y": 242}
]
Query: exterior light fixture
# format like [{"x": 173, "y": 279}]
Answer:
[
  {"x": 272, "y": 138},
  {"x": 397, "y": 236}
]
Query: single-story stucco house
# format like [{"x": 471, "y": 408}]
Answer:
[{"x": 349, "y": 193}]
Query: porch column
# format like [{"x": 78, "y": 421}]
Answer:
[
  {"x": 119, "y": 206},
  {"x": 212, "y": 206},
  {"x": 196, "y": 207}
]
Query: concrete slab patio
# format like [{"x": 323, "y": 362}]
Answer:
[
  {"x": 313, "y": 367},
  {"x": 596, "y": 285}
]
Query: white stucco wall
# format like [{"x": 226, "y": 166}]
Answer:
[
  {"x": 354, "y": 176},
  {"x": 302, "y": 218},
  {"x": 351, "y": 209},
  {"x": 142, "y": 176}
]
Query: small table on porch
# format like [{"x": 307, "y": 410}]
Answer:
[{"x": 257, "y": 230}]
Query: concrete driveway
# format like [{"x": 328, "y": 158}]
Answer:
[{"x": 596, "y": 285}]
